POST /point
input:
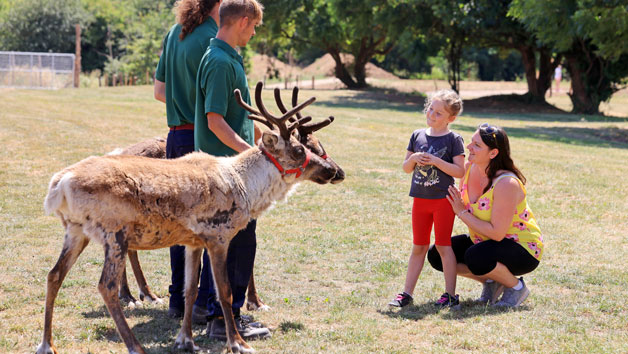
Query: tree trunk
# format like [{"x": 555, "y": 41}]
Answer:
[
  {"x": 453, "y": 58},
  {"x": 341, "y": 71},
  {"x": 582, "y": 101},
  {"x": 359, "y": 70},
  {"x": 529, "y": 64}
]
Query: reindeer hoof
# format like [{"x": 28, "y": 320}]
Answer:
[
  {"x": 151, "y": 298},
  {"x": 260, "y": 306},
  {"x": 239, "y": 348},
  {"x": 45, "y": 348},
  {"x": 188, "y": 346}
]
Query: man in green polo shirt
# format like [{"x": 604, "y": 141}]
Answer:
[
  {"x": 175, "y": 85},
  {"x": 221, "y": 128}
]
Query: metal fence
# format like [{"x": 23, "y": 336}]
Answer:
[{"x": 36, "y": 70}]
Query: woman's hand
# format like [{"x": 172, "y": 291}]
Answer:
[{"x": 455, "y": 199}]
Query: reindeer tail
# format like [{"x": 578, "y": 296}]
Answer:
[{"x": 56, "y": 195}]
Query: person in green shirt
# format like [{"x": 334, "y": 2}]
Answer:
[
  {"x": 175, "y": 85},
  {"x": 222, "y": 128}
]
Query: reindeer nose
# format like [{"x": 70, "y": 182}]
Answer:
[{"x": 339, "y": 177}]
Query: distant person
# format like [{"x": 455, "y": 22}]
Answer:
[
  {"x": 175, "y": 80},
  {"x": 435, "y": 156},
  {"x": 558, "y": 76},
  {"x": 222, "y": 129},
  {"x": 501, "y": 244}
]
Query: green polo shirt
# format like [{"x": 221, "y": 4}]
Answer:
[
  {"x": 220, "y": 73},
  {"x": 178, "y": 66}
]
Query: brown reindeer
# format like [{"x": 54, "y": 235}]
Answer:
[
  {"x": 156, "y": 148},
  {"x": 198, "y": 200}
]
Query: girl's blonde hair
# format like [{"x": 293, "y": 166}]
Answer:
[{"x": 452, "y": 101}]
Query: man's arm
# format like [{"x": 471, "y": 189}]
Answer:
[
  {"x": 216, "y": 123},
  {"x": 160, "y": 91}
]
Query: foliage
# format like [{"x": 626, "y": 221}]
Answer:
[
  {"x": 41, "y": 25},
  {"x": 363, "y": 28},
  {"x": 592, "y": 35}
]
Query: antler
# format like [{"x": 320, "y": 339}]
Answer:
[
  {"x": 303, "y": 128},
  {"x": 265, "y": 117}
]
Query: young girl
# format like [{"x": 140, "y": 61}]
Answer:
[{"x": 436, "y": 155}]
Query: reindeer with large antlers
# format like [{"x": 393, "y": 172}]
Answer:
[
  {"x": 156, "y": 148},
  {"x": 200, "y": 201}
]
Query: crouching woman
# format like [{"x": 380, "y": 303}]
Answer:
[{"x": 504, "y": 240}]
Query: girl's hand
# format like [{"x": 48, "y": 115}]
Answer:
[
  {"x": 417, "y": 157},
  {"x": 428, "y": 159},
  {"x": 455, "y": 199}
]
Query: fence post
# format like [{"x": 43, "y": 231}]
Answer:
[
  {"x": 285, "y": 83},
  {"x": 77, "y": 58},
  {"x": 312, "y": 82}
]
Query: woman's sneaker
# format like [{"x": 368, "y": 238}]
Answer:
[
  {"x": 512, "y": 297},
  {"x": 490, "y": 292},
  {"x": 447, "y": 300},
  {"x": 401, "y": 300}
]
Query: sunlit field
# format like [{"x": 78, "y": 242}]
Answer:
[{"x": 331, "y": 257}]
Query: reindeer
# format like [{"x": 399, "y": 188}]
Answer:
[
  {"x": 198, "y": 200},
  {"x": 156, "y": 148}
]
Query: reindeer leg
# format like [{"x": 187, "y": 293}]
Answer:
[
  {"x": 192, "y": 261},
  {"x": 125, "y": 293},
  {"x": 218, "y": 259},
  {"x": 145, "y": 291},
  {"x": 73, "y": 245},
  {"x": 116, "y": 246},
  {"x": 253, "y": 301}
]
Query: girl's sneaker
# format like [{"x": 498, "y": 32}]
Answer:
[
  {"x": 447, "y": 300},
  {"x": 401, "y": 300}
]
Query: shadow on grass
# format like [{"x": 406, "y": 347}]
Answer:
[
  {"x": 157, "y": 334},
  {"x": 378, "y": 99},
  {"x": 607, "y": 137},
  {"x": 545, "y": 117},
  {"x": 467, "y": 309}
]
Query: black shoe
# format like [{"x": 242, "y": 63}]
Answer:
[
  {"x": 401, "y": 300},
  {"x": 216, "y": 329},
  {"x": 447, "y": 300},
  {"x": 174, "y": 312},
  {"x": 249, "y": 321},
  {"x": 199, "y": 315}
]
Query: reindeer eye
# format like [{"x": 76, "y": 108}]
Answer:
[{"x": 300, "y": 150}]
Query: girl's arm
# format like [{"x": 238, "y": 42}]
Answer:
[
  {"x": 410, "y": 161},
  {"x": 506, "y": 196},
  {"x": 455, "y": 169}
]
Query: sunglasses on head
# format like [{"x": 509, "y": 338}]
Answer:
[{"x": 488, "y": 129}]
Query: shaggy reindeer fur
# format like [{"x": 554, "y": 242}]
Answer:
[{"x": 133, "y": 203}]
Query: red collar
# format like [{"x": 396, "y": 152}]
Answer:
[{"x": 283, "y": 172}]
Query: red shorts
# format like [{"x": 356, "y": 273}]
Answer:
[{"x": 426, "y": 212}]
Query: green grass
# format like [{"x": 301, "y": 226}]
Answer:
[{"x": 331, "y": 257}]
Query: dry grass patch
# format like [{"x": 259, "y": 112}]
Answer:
[{"x": 331, "y": 257}]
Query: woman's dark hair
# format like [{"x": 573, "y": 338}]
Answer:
[
  {"x": 192, "y": 13},
  {"x": 496, "y": 138}
]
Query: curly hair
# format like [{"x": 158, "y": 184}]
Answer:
[
  {"x": 192, "y": 13},
  {"x": 452, "y": 101}
]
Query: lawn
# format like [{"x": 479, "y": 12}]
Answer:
[{"x": 330, "y": 257}]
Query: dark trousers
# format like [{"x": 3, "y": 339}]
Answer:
[
  {"x": 482, "y": 258},
  {"x": 179, "y": 143}
]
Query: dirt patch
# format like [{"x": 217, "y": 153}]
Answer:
[
  {"x": 509, "y": 104},
  {"x": 325, "y": 66}
]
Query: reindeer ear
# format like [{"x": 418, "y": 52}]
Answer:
[{"x": 271, "y": 140}]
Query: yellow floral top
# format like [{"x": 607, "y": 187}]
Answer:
[{"x": 524, "y": 230}]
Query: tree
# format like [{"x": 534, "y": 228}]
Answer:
[
  {"x": 592, "y": 35},
  {"x": 41, "y": 25},
  {"x": 363, "y": 28}
]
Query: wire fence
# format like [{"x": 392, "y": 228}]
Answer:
[{"x": 36, "y": 70}]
